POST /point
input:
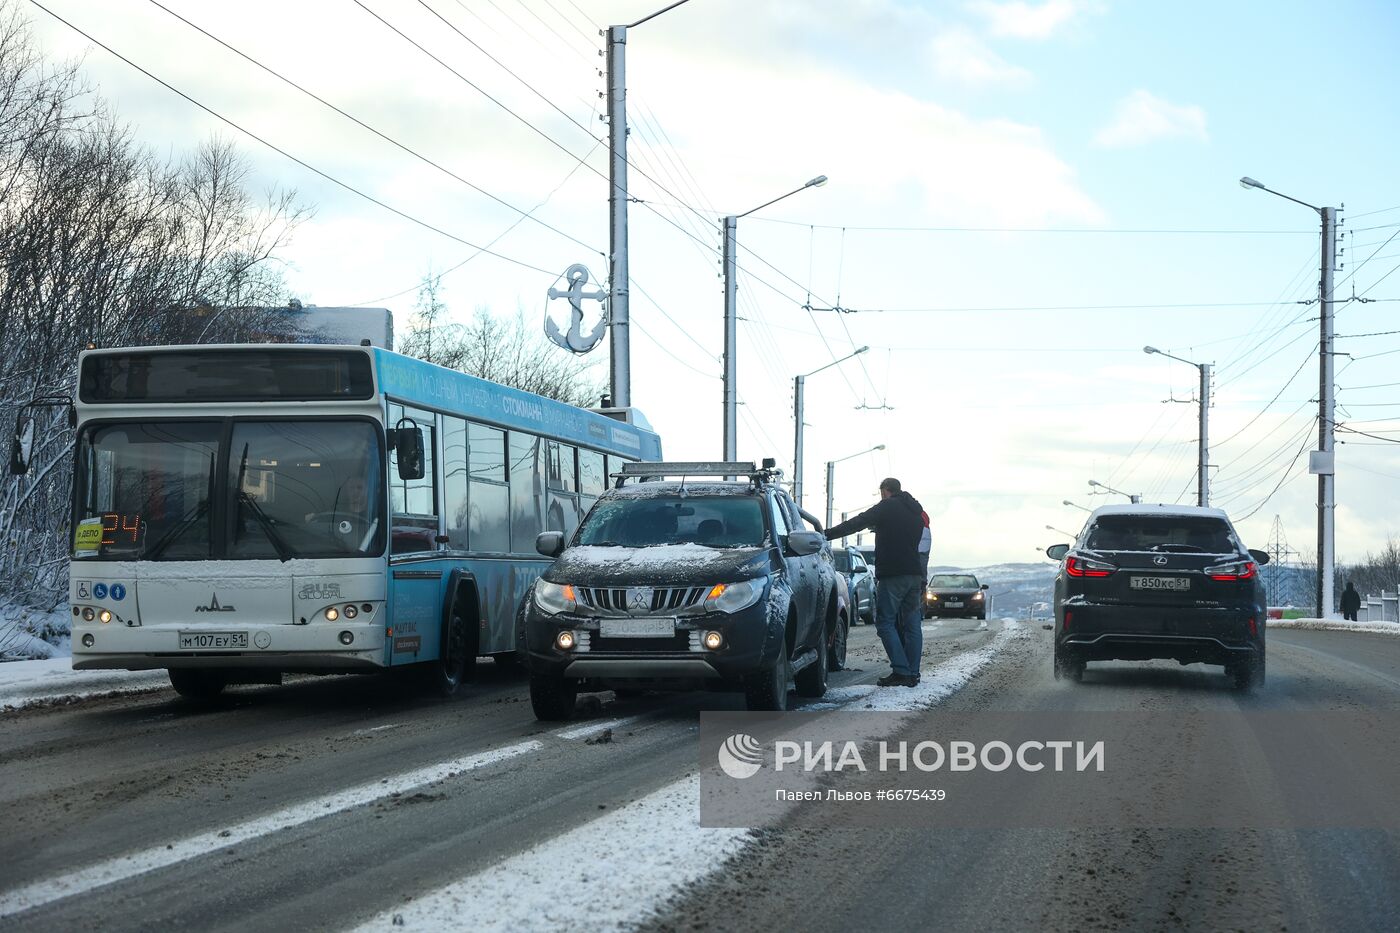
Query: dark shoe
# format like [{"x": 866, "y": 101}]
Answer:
[
  {"x": 910, "y": 681},
  {"x": 891, "y": 680}
]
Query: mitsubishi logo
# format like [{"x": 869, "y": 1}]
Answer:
[
  {"x": 1159, "y": 561},
  {"x": 639, "y": 599},
  {"x": 214, "y": 605}
]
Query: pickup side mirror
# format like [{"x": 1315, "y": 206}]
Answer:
[
  {"x": 986, "y": 586},
  {"x": 22, "y": 447},
  {"x": 550, "y": 543},
  {"x": 1057, "y": 551},
  {"x": 408, "y": 450},
  {"x": 805, "y": 543},
  {"x": 1260, "y": 557}
]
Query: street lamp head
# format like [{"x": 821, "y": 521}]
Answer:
[
  {"x": 878, "y": 447},
  {"x": 816, "y": 182},
  {"x": 1247, "y": 182},
  {"x": 1150, "y": 350},
  {"x": 860, "y": 351},
  {"x": 1094, "y": 482}
]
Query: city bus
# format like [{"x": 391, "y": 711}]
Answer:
[{"x": 241, "y": 512}]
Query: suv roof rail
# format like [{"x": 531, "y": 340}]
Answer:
[{"x": 684, "y": 468}]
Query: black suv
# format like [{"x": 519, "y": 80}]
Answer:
[
  {"x": 955, "y": 594},
  {"x": 690, "y": 583},
  {"x": 1146, "y": 581}
]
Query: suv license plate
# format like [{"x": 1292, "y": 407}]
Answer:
[
  {"x": 200, "y": 641},
  {"x": 636, "y": 628},
  {"x": 1159, "y": 583}
]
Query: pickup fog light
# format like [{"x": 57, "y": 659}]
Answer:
[
  {"x": 332, "y": 614},
  {"x": 351, "y": 611},
  {"x": 564, "y": 641},
  {"x": 105, "y": 615},
  {"x": 554, "y": 598},
  {"x": 87, "y": 641},
  {"x": 733, "y": 597},
  {"x": 713, "y": 640},
  {"x": 347, "y": 637},
  {"x": 88, "y": 614}
]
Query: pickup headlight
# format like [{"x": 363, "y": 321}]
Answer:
[
  {"x": 733, "y": 597},
  {"x": 976, "y": 595},
  {"x": 554, "y": 598}
]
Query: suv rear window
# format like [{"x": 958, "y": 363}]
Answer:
[
  {"x": 717, "y": 521},
  {"x": 1181, "y": 533}
]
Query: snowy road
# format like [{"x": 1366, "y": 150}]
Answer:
[{"x": 343, "y": 802}]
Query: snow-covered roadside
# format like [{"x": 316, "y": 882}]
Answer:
[
  {"x": 33, "y": 683},
  {"x": 1335, "y": 625},
  {"x": 33, "y": 633}
]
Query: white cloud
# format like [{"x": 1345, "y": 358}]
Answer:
[
  {"x": 960, "y": 56},
  {"x": 1021, "y": 20},
  {"x": 1143, "y": 117}
]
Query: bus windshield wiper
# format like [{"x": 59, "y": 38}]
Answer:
[
  {"x": 284, "y": 553},
  {"x": 179, "y": 528}
]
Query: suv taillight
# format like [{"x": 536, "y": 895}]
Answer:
[
  {"x": 1235, "y": 570},
  {"x": 1083, "y": 567}
]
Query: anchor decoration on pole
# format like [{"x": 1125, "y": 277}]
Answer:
[{"x": 575, "y": 341}]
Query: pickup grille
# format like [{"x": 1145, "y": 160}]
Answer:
[{"x": 639, "y": 600}]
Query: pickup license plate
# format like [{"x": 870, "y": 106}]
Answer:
[
  {"x": 954, "y": 604},
  {"x": 204, "y": 641},
  {"x": 636, "y": 628},
  {"x": 1177, "y": 584}
]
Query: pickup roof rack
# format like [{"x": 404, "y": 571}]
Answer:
[{"x": 643, "y": 471}]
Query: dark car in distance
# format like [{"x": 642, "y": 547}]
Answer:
[
  {"x": 860, "y": 582},
  {"x": 955, "y": 594},
  {"x": 1172, "y": 582},
  {"x": 688, "y": 583}
]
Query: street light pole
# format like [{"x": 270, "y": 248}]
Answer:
[
  {"x": 1323, "y": 460},
  {"x": 1076, "y": 506},
  {"x": 1203, "y": 443},
  {"x": 1132, "y": 497},
  {"x": 619, "y": 314},
  {"x": 798, "y": 382},
  {"x": 831, "y": 476},
  {"x": 729, "y": 245}
]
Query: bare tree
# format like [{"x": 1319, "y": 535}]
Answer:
[{"x": 505, "y": 350}]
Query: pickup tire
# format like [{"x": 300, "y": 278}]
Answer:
[
  {"x": 766, "y": 691},
  {"x": 552, "y": 697}
]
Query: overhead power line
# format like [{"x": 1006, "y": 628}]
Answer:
[{"x": 287, "y": 155}]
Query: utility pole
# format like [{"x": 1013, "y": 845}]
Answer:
[
  {"x": 1203, "y": 480},
  {"x": 1325, "y": 463},
  {"x": 797, "y": 412},
  {"x": 830, "y": 478},
  {"x": 728, "y": 231},
  {"x": 618, "y": 312}
]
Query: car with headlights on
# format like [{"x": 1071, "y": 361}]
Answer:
[
  {"x": 681, "y": 577},
  {"x": 955, "y": 594},
  {"x": 1168, "y": 582}
]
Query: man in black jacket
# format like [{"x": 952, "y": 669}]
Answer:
[
  {"x": 897, "y": 520},
  {"x": 1351, "y": 603}
]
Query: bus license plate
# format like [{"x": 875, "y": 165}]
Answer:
[
  {"x": 1159, "y": 583},
  {"x": 202, "y": 641},
  {"x": 636, "y": 628}
]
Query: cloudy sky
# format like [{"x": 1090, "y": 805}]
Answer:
[{"x": 1022, "y": 195}]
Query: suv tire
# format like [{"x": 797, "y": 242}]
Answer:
[
  {"x": 811, "y": 680},
  {"x": 552, "y": 697},
  {"x": 197, "y": 684},
  {"x": 1068, "y": 667},
  {"x": 766, "y": 691},
  {"x": 1248, "y": 674}
]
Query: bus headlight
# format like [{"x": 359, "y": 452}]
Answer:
[
  {"x": 105, "y": 615},
  {"x": 88, "y": 614},
  {"x": 733, "y": 597},
  {"x": 332, "y": 614},
  {"x": 554, "y": 598},
  {"x": 351, "y": 611}
]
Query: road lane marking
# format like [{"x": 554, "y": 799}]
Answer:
[
  {"x": 131, "y": 865},
  {"x": 656, "y": 843},
  {"x": 593, "y": 728}
]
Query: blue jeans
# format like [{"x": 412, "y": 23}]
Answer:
[{"x": 899, "y": 622}]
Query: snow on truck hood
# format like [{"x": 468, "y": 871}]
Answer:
[{"x": 693, "y": 564}]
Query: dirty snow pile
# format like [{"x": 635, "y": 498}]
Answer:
[
  {"x": 33, "y": 683},
  {"x": 1336, "y": 625}
]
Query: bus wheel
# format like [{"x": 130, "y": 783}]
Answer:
[
  {"x": 442, "y": 677},
  {"x": 552, "y": 697},
  {"x": 197, "y": 684}
]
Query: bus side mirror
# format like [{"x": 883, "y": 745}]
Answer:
[
  {"x": 22, "y": 447},
  {"x": 408, "y": 449}
]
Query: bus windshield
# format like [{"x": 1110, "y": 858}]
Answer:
[{"x": 192, "y": 490}]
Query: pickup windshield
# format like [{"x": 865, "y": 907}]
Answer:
[{"x": 715, "y": 521}]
